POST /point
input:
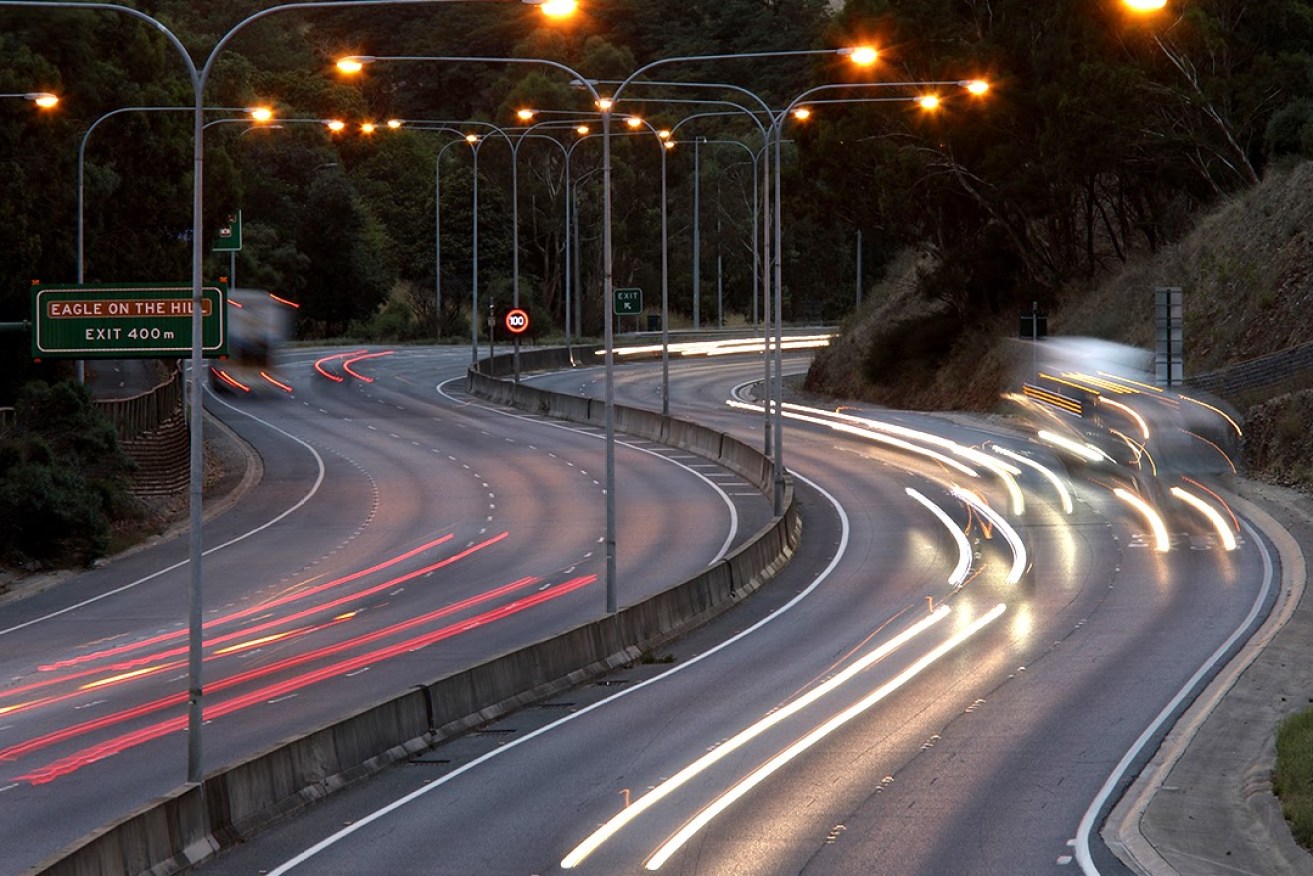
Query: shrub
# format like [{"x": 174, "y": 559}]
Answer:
[{"x": 63, "y": 478}]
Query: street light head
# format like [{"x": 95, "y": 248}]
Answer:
[
  {"x": 862, "y": 56},
  {"x": 525, "y": 115},
  {"x": 664, "y": 134},
  {"x": 928, "y": 102},
  {"x": 368, "y": 127},
  {"x": 394, "y": 123},
  {"x": 669, "y": 144},
  {"x": 335, "y": 125},
  {"x": 581, "y": 130},
  {"x": 976, "y": 86},
  {"x": 802, "y": 114},
  {"x": 471, "y": 138},
  {"x": 554, "y": 8},
  {"x": 261, "y": 114},
  {"x": 352, "y": 64},
  {"x": 634, "y": 122},
  {"x": 604, "y": 104},
  {"x": 1144, "y": 6},
  {"x": 43, "y": 99}
]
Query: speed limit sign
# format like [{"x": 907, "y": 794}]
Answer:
[{"x": 516, "y": 321}]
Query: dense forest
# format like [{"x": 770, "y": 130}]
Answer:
[{"x": 1102, "y": 133}]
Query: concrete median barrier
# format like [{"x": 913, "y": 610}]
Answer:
[{"x": 233, "y": 803}]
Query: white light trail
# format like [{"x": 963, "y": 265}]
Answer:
[
  {"x": 1005, "y": 472},
  {"x": 1085, "y": 451},
  {"x": 963, "y": 546},
  {"x": 1162, "y": 543},
  {"x": 766, "y": 770},
  {"x": 1221, "y": 413},
  {"x": 1130, "y": 412},
  {"x": 1214, "y": 516},
  {"x": 654, "y": 796},
  {"x": 866, "y": 433},
  {"x": 1063, "y": 493},
  {"x": 1019, "y": 558}
]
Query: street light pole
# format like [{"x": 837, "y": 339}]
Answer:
[{"x": 198, "y": 77}]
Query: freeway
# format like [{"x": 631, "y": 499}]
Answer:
[
  {"x": 907, "y": 698},
  {"x": 400, "y": 531}
]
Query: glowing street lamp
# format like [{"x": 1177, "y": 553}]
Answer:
[
  {"x": 43, "y": 99},
  {"x": 555, "y": 8},
  {"x": 1144, "y": 6},
  {"x": 199, "y": 75}
]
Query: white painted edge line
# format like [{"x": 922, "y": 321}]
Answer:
[
  {"x": 1087, "y": 822},
  {"x": 377, "y": 814}
]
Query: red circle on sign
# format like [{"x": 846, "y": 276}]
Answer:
[{"x": 516, "y": 321}]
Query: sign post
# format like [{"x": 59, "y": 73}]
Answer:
[
  {"x": 628, "y": 301},
  {"x": 126, "y": 321},
  {"x": 516, "y": 322}
]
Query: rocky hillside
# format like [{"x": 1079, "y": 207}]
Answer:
[{"x": 1247, "y": 272}]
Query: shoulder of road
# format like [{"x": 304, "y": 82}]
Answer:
[{"x": 1204, "y": 805}]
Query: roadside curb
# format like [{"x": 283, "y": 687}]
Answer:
[{"x": 1204, "y": 806}]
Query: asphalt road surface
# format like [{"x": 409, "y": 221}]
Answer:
[
  {"x": 877, "y": 709},
  {"x": 400, "y": 532}
]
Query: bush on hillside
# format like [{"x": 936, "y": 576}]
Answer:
[{"x": 63, "y": 478}]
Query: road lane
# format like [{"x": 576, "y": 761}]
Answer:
[
  {"x": 423, "y": 535},
  {"x": 983, "y": 763}
]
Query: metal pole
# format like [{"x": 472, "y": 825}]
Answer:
[
  {"x": 474, "y": 281},
  {"x": 608, "y": 266},
  {"x": 766, "y": 250},
  {"x": 515, "y": 242},
  {"x": 720, "y": 293},
  {"x": 196, "y": 629},
  {"x": 565, "y": 279},
  {"x": 578, "y": 269},
  {"x": 859, "y": 267},
  {"x": 697, "y": 256},
  {"x": 665, "y": 293},
  {"x": 779, "y": 333},
  {"x": 437, "y": 246}
]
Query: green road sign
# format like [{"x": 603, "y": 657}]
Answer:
[
  {"x": 125, "y": 321},
  {"x": 628, "y": 302},
  {"x": 230, "y": 235}
]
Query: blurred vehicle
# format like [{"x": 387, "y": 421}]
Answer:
[{"x": 259, "y": 325}]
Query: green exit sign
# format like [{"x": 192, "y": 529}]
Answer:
[
  {"x": 125, "y": 321},
  {"x": 628, "y": 302}
]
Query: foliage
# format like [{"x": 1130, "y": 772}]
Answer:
[
  {"x": 63, "y": 477},
  {"x": 1102, "y": 135},
  {"x": 1292, "y": 781}
]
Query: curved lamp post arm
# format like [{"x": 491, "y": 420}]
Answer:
[{"x": 198, "y": 78}]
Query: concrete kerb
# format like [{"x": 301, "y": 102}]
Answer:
[
  {"x": 1222, "y": 817},
  {"x": 195, "y": 822}
]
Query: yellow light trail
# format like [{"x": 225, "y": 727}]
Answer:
[
  {"x": 654, "y": 796},
  {"x": 1147, "y": 387},
  {"x": 129, "y": 676},
  {"x": 766, "y": 770},
  {"x": 1221, "y": 413}
]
